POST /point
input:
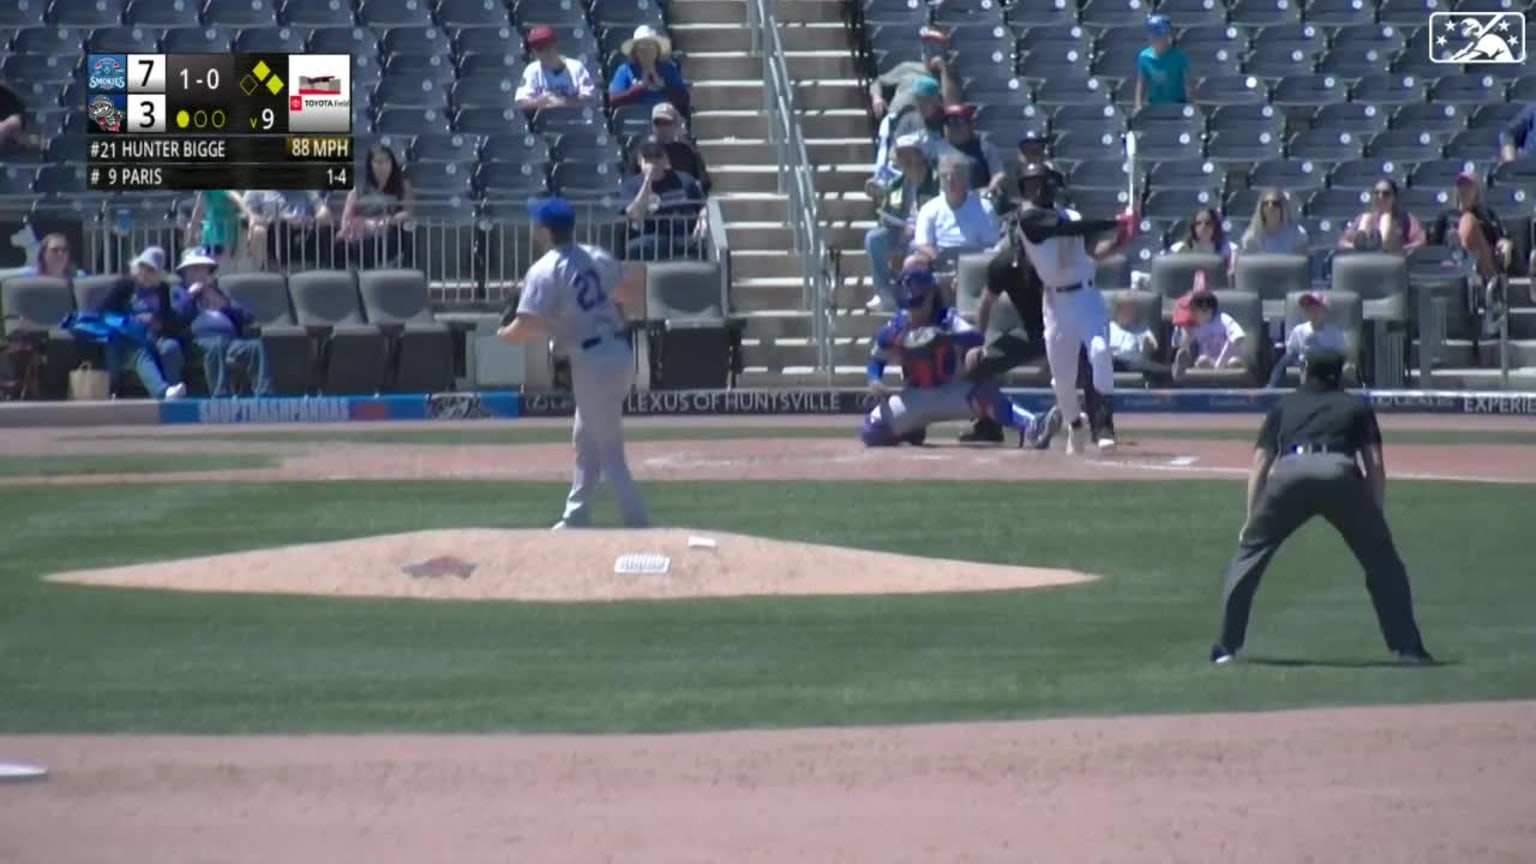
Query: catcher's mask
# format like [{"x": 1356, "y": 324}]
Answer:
[
  {"x": 1038, "y": 184},
  {"x": 917, "y": 289}
]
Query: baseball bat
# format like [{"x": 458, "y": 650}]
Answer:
[{"x": 1130, "y": 170}]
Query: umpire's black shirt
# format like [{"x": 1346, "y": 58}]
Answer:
[{"x": 1319, "y": 417}]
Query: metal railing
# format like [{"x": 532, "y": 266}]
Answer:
[
  {"x": 474, "y": 253},
  {"x": 797, "y": 178}
]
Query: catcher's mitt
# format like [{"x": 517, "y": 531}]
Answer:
[{"x": 922, "y": 339}]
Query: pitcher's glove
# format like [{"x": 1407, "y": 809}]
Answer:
[{"x": 510, "y": 313}]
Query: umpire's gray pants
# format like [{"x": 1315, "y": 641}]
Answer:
[{"x": 1332, "y": 486}]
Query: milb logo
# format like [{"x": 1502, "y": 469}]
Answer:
[{"x": 107, "y": 73}]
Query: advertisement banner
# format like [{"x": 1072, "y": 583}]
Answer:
[
  {"x": 710, "y": 403},
  {"x": 341, "y": 409}
]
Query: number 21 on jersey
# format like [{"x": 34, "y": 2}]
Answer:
[{"x": 589, "y": 290}]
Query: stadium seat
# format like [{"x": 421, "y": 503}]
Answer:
[
  {"x": 510, "y": 181},
  {"x": 393, "y": 13},
  {"x": 290, "y": 351},
  {"x": 1272, "y": 62},
  {"x": 1322, "y": 144},
  {"x": 410, "y": 121},
  {"x": 1382, "y": 38},
  {"x": 1344, "y": 312},
  {"x": 629, "y": 14},
  {"x": 1189, "y": 14},
  {"x": 1061, "y": 34},
  {"x": 489, "y": 121},
  {"x": 1263, "y": 13},
  {"x": 1162, "y": 119},
  {"x": 1338, "y": 205},
  {"x": 531, "y": 13},
  {"x": 961, "y": 13},
  {"x": 1523, "y": 90},
  {"x": 1404, "y": 145},
  {"x": 420, "y": 67},
  {"x": 197, "y": 40},
  {"x": 1174, "y": 204},
  {"x": 483, "y": 91},
  {"x": 1337, "y": 13},
  {"x": 1159, "y": 145},
  {"x": 1215, "y": 59},
  {"x": 25, "y": 15},
  {"x": 1440, "y": 174},
  {"x": 39, "y": 303},
  {"x": 1248, "y": 310},
  {"x": 1425, "y": 203},
  {"x": 585, "y": 180},
  {"x": 1389, "y": 88},
  {"x": 397, "y": 92},
  {"x": 1309, "y": 91},
  {"x": 472, "y": 13},
  {"x": 990, "y": 91},
  {"x": 414, "y": 40},
  {"x": 439, "y": 179},
  {"x": 1064, "y": 59},
  {"x": 1379, "y": 279},
  {"x": 239, "y": 13},
  {"x": 84, "y": 13},
  {"x": 1242, "y": 147},
  {"x": 1353, "y": 63},
  {"x": 1104, "y": 14},
  {"x": 1092, "y": 118},
  {"x": 1405, "y": 13},
  {"x": 500, "y": 41},
  {"x": 684, "y": 291},
  {"x": 162, "y": 13},
  {"x": 1475, "y": 144},
  {"x": 976, "y": 63},
  {"x": 505, "y": 65},
  {"x": 1242, "y": 202},
  {"x": 1248, "y": 119},
  {"x": 1290, "y": 175},
  {"x": 122, "y": 40},
  {"x": 316, "y": 13},
  {"x": 342, "y": 40},
  {"x": 1174, "y": 275},
  {"x": 1438, "y": 119},
  {"x": 1360, "y": 174},
  {"x": 455, "y": 149},
  {"x": 1071, "y": 89},
  {"x": 1230, "y": 90},
  {"x": 1495, "y": 116},
  {"x": 269, "y": 40},
  {"x": 593, "y": 145},
  {"x": 1098, "y": 175},
  {"x": 422, "y": 347},
  {"x": 527, "y": 149},
  {"x": 1471, "y": 89},
  {"x": 1021, "y": 16},
  {"x": 1306, "y": 39},
  {"x": 1357, "y": 118},
  {"x": 65, "y": 41},
  {"x": 354, "y": 353},
  {"x": 1190, "y": 175},
  {"x": 59, "y": 179},
  {"x": 1099, "y": 203},
  {"x": 1273, "y": 279}
]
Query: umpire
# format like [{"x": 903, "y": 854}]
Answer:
[{"x": 1312, "y": 438}]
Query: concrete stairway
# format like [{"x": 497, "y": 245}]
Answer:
[{"x": 731, "y": 126}]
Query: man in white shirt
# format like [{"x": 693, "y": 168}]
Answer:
[
  {"x": 553, "y": 80},
  {"x": 1314, "y": 332},
  {"x": 958, "y": 220}
]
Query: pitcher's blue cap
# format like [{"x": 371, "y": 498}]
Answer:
[
  {"x": 1159, "y": 26},
  {"x": 552, "y": 213}
]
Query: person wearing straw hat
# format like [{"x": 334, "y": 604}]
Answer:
[
  {"x": 553, "y": 80},
  {"x": 155, "y": 333},
  {"x": 648, "y": 75},
  {"x": 225, "y": 331}
]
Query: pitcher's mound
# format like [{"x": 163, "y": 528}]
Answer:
[{"x": 568, "y": 566}]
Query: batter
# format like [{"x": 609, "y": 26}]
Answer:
[
  {"x": 929, "y": 339},
  {"x": 569, "y": 295}
]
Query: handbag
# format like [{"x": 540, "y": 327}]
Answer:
[{"x": 89, "y": 384}]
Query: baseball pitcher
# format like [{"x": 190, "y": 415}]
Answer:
[
  {"x": 929, "y": 340},
  {"x": 569, "y": 295}
]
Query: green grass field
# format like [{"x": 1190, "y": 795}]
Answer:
[
  {"x": 79, "y": 659},
  {"x": 127, "y": 463}
]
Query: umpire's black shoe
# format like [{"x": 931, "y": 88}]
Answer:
[
  {"x": 1418, "y": 657},
  {"x": 984, "y": 431}
]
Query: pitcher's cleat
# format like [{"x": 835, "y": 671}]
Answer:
[
  {"x": 1077, "y": 438},
  {"x": 1052, "y": 427}
]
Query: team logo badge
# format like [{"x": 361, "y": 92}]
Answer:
[
  {"x": 106, "y": 72},
  {"x": 1477, "y": 37},
  {"x": 107, "y": 112}
]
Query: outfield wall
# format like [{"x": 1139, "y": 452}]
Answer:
[{"x": 511, "y": 404}]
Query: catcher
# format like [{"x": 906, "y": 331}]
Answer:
[{"x": 930, "y": 340}]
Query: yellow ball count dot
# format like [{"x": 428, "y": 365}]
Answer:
[{"x": 182, "y": 119}]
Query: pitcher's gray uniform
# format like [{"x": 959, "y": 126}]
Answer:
[{"x": 572, "y": 287}]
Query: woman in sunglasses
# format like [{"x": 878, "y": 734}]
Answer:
[
  {"x": 1273, "y": 230},
  {"x": 1385, "y": 226},
  {"x": 1206, "y": 236}
]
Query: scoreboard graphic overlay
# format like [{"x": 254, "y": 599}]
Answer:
[{"x": 219, "y": 121}]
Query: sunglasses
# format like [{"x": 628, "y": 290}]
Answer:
[
  {"x": 1383, "y": 193},
  {"x": 1206, "y": 222},
  {"x": 661, "y": 121},
  {"x": 1272, "y": 203},
  {"x": 56, "y": 249}
]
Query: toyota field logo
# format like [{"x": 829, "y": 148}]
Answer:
[{"x": 1477, "y": 37}]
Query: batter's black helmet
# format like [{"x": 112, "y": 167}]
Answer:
[{"x": 1038, "y": 183}]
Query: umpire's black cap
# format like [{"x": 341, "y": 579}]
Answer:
[{"x": 1324, "y": 364}]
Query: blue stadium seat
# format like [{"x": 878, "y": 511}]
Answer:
[
  {"x": 21, "y": 15},
  {"x": 1161, "y": 145},
  {"x": 1337, "y": 13},
  {"x": 1215, "y": 59},
  {"x": 60, "y": 179},
  {"x": 1523, "y": 89},
  {"x": 1325, "y": 145},
  {"x": 489, "y": 121},
  {"x": 632, "y": 120},
  {"x": 1263, "y": 13},
  {"x": 510, "y": 181},
  {"x": 993, "y": 91},
  {"x": 269, "y": 40},
  {"x": 1104, "y": 14},
  {"x": 1072, "y": 147},
  {"x": 1071, "y": 89},
  {"x": 1441, "y": 119},
  {"x": 1473, "y": 89},
  {"x": 1405, "y": 13},
  {"x": 484, "y": 40},
  {"x": 1353, "y": 63},
  {"x": 960, "y": 12},
  {"x": 420, "y": 67},
  {"x": 410, "y": 121},
  {"x": 1219, "y": 34},
  {"x": 633, "y": 13},
  {"x": 84, "y": 13},
  {"x": 527, "y": 149},
  {"x": 474, "y": 65},
  {"x": 1519, "y": 174},
  {"x": 1308, "y": 91},
  {"x": 978, "y": 64},
  {"x": 1292, "y": 175},
  {"x": 1067, "y": 58},
  {"x": 1360, "y": 174},
  {"x": 1092, "y": 118},
  {"x": 1425, "y": 203},
  {"x": 379, "y": 14},
  {"x": 1250, "y": 119},
  {"x": 122, "y": 40},
  {"x": 162, "y": 13},
  {"x": 1306, "y": 39},
  {"x": 27, "y": 68},
  {"x": 1357, "y": 118},
  {"x": 342, "y": 40},
  {"x": 1338, "y": 205},
  {"x": 484, "y": 91},
  {"x": 49, "y": 40},
  {"x": 458, "y": 149},
  {"x": 1495, "y": 116},
  {"x": 316, "y": 13},
  {"x": 1186, "y": 14},
  {"x": 586, "y": 180},
  {"x": 409, "y": 93},
  {"x": 1193, "y": 174},
  {"x": 1439, "y": 174},
  {"x": 472, "y": 13},
  {"x": 413, "y": 40},
  {"x": 438, "y": 179},
  {"x": 1485, "y": 5},
  {"x": 1059, "y": 34},
  {"x": 1389, "y": 89},
  {"x": 532, "y": 13},
  {"x": 1414, "y": 59},
  {"x": 1230, "y": 90},
  {"x": 1243, "y": 147},
  {"x": 1044, "y": 14},
  {"x": 1479, "y": 145},
  {"x": 1404, "y": 145},
  {"x": 1177, "y": 118},
  {"x": 1099, "y": 203},
  {"x": 1383, "y": 38},
  {"x": 197, "y": 40},
  {"x": 1275, "y": 61},
  {"x": 239, "y": 13},
  {"x": 1099, "y": 175},
  {"x": 1000, "y": 121}
]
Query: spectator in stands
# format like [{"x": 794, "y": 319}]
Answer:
[
  {"x": 1132, "y": 345},
  {"x": 1473, "y": 226},
  {"x": 958, "y": 220},
  {"x": 1313, "y": 332},
  {"x": 1273, "y": 230},
  {"x": 648, "y": 75},
  {"x": 682, "y": 154},
  {"x": 54, "y": 258},
  {"x": 1162, "y": 70},
  {"x": 553, "y": 80},
  {"x": 989, "y": 168},
  {"x": 1212, "y": 339},
  {"x": 222, "y": 329},
  {"x": 1516, "y": 140},
  {"x": 665, "y": 209},
  {"x": 898, "y": 204},
  {"x": 912, "y": 88},
  {"x": 377, "y": 212},
  {"x": 154, "y": 350},
  {"x": 215, "y": 221},
  {"x": 285, "y": 225},
  {"x": 1386, "y": 226},
  {"x": 13, "y": 126},
  {"x": 1206, "y": 236}
]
